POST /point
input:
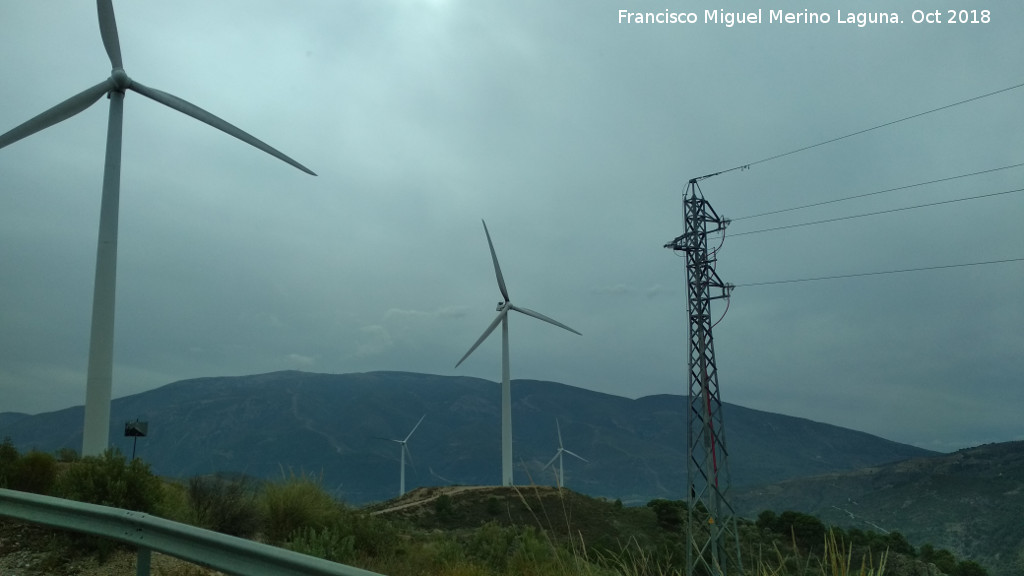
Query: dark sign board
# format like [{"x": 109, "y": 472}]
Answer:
[{"x": 136, "y": 428}]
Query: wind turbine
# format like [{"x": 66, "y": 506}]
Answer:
[
  {"x": 403, "y": 453},
  {"x": 506, "y": 390},
  {"x": 101, "y": 339},
  {"x": 558, "y": 456}
]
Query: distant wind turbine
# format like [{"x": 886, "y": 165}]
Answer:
[
  {"x": 506, "y": 390},
  {"x": 558, "y": 456},
  {"x": 404, "y": 451},
  {"x": 101, "y": 340}
]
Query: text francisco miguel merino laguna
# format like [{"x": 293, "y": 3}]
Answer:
[{"x": 730, "y": 19}]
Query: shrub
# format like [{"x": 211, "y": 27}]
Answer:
[
  {"x": 8, "y": 458},
  {"x": 224, "y": 505},
  {"x": 175, "y": 505},
  {"x": 806, "y": 531},
  {"x": 443, "y": 507},
  {"x": 494, "y": 506},
  {"x": 372, "y": 535},
  {"x": 969, "y": 568},
  {"x": 109, "y": 481},
  {"x": 670, "y": 513},
  {"x": 327, "y": 543},
  {"x": 943, "y": 560},
  {"x": 492, "y": 545},
  {"x": 67, "y": 455},
  {"x": 297, "y": 502},
  {"x": 34, "y": 472}
]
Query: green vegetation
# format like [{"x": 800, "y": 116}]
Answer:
[
  {"x": 109, "y": 480},
  {"x": 223, "y": 504},
  {"x": 466, "y": 531},
  {"x": 33, "y": 472},
  {"x": 297, "y": 502}
]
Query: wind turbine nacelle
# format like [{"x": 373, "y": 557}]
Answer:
[{"x": 501, "y": 305}]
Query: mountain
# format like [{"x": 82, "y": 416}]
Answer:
[
  {"x": 970, "y": 502},
  {"x": 294, "y": 422},
  {"x": 7, "y": 418}
]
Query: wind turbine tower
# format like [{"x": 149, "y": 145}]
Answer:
[
  {"x": 506, "y": 390},
  {"x": 404, "y": 450},
  {"x": 96, "y": 432},
  {"x": 713, "y": 545},
  {"x": 558, "y": 456}
]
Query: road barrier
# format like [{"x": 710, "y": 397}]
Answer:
[{"x": 228, "y": 554}]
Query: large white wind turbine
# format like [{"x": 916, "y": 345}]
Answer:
[
  {"x": 506, "y": 391},
  {"x": 558, "y": 456},
  {"x": 101, "y": 342},
  {"x": 404, "y": 452}
]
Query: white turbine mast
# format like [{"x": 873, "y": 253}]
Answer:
[
  {"x": 558, "y": 456},
  {"x": 403, "y": 452},
  {"x": 506, "y": 393},
  {"x": 101, "y": 341}
]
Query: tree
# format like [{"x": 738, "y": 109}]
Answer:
[
  {"x": 670, "y": 513},
  {"x": 969, "y": 568}
]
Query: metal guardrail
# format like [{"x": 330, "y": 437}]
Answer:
[{"x": 228, "y": 554}]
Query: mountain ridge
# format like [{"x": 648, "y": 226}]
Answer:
[
  {"x": 330, "y": 424},
  {"x": 970, "y": 501}
]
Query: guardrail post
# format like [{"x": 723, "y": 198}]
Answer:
[{"x": 142, "y": 562}]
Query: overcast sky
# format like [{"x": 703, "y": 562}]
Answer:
[{"x": 574, "y": 136}]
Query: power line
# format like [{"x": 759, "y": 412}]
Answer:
[
  {"x": 841, "y": 218},
  {"x": 879, "y": 273},
  {"x": 791, "y": 152},
  {"x": 822, "y": 203}
]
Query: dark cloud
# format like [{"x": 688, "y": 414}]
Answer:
[{"x": 574, "y": 137}]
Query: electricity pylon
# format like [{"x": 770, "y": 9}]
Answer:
[{"x": 713, "y": 546}]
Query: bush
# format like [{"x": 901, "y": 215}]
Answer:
[
  {"x": 67, "y": 455},
  {"x": 943, "y": 560},
  {"x": 109, "y": 481},
  {"x": 34, "y": 472},
  {"x": 8, "y": 458},
  {"x": 670, "y": 513},
  {"x": 969, "y": 568},
  {"x": 491, "y": 544},
  {"x": 327, "y": 543},
  {"x": 806, "y": 531},
  {"x": 352, "y": 535},
  {"x": 296, "y": 503},
  {"x": 224, "y": 505},
  {"x": 443, "y": 507}
]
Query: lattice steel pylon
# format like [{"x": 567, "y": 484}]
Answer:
[{"x": 713, "y": 547}]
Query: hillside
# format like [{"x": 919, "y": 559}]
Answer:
[
  {"x": 267, "y": 424},
  {"x": 970, "y": 502}
]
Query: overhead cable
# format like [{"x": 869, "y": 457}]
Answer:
[
  {"x": 841, "y": 218},
  {"x": 837, "y": 277},
  {"x": 822, "y": 203},
  {"x": 791, "y": 152}
]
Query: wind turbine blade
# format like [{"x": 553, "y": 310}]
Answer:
[
  {"x": 540, "y": 316},
  {"x": 108, "y": 30},
  {"x": 58, "y": 113},
  {"x": 415, "y": 427},
  {"x": 198, "y": 113},
  {"x": 486, "y": 333},
  {"x": 497, "y": 268},
  {"x": 571, "y": 453},
  {"x": 552, "y": 461},
  {"x": 559, "y": 428}
]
